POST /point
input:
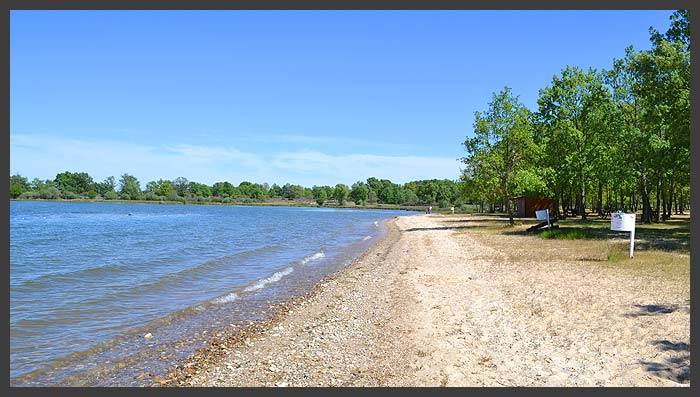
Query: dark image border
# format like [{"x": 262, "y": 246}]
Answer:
[{"x": 331, "y": 5}]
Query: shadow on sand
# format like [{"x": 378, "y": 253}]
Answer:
[{"x": 676, "y": 367}]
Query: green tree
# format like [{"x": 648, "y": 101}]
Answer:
[
  {"x": 275, "y": 190},
  {"x": 74, "y": 182},
  {"x": 18, "y": 185},
  {"x": 340, "y": 194},
  {"x": 108, "y": 185},
  {"x": 319, "y": 195},
  {"x": 181, "y": 185},
  {"x": 574, "y": 110},
  {"x": 223, "y": 189},
  {"x": 359, "y": 193},
  {"x": 199, "y": 189},
  {"x": 502, "y": 145},
  {"x": 651, "y": 91},
  {"x": 129, "y": 187}
]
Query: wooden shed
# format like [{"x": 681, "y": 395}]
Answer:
[{"x": 525, "y": 207}]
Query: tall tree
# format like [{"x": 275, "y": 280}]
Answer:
[
  {"x": 340, "y": 194},
  {"x": 319, "y": 195},
  {"x": 359, "y": 193},
  {"x": 18, "y": 185},
  {"x": 573, "y": 110},
  {"x": 502, "y": 145},
  {"x": 129, "y": 186}
]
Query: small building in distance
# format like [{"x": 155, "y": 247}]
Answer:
[{"x": 525, "y": 207}]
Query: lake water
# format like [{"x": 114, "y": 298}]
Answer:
[{"x": 87, "y": 280}]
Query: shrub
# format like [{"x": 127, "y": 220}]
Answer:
[
  {"x": 49, "y": 193},
  {"x": 150, "y": 196},
  {"x": 15, "y": 190},
  {"x": 111, "y": 195},
  {"x": 70, "y": 196}
]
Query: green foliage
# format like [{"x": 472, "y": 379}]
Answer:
[
  {"x": 292, "y": 192},
  {"x": 340, "y": 194},
  {"x": 199, "y": 190},
  {"x": 250, "y": 190},
  {"x": 275, "y": 190},
  {"x": 615, "y": 139},
  {"x": 71, "y": 184},
  {"x": 359, "y": 193},
  {"x": 223, "y": 189},
  {"x": 18, "y": 185},
  {"x": 129, "y": 187},
  {"x": 108, "y": 185},
  {"x": 502, "y": 146},
  {"x": 110, "y": 195},
  {"x": 319, "y": 195},
  {"x": 531, "y": 182}
]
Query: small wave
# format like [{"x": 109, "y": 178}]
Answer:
[
  {"x": 277, "y": 276},
  {"x": 366, "y": 238},
  {"x": 313, "y": 257},
  {"x": 226, "y": 298}
]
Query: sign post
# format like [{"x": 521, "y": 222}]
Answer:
[
  {"x": 622, "y": 222},
  {"x": 543, "y": 215}
]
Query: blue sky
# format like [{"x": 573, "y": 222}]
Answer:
[{"x": 308, "y": 97}]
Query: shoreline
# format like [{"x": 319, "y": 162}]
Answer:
[
  {"x": 211, "y": 336},
  {"x": 225, "y": 340}
]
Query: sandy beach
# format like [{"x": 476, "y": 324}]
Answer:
[{"x": 439, "y": 302}]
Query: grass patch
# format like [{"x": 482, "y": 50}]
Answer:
[
  {"x": 566, "y": 234},
  {"x": 662, "y": 263},
  {"x": 617, "y": 254}
]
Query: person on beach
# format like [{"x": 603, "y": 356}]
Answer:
[{"x": 430, "y": 209}]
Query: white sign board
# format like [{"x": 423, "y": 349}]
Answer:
[
  {"x": 542, "y": 215},
  {"x": 622, "y": 222}
]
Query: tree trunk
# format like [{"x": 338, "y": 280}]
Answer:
[
  {"x": 621, "y": 197},
  {"x": 646, "y": 204},
  {"x": 658, "y": 200},
  {"x": 563, "y": 206},
  {"x": 669, "y": 203},
  {"x": 510, "y": 214},
  {"x": 681, "y": 205},
  {"x": 583, "y": 200},
  {"x": 663, "y": 205},
  {"x": 600, "y": 199}
]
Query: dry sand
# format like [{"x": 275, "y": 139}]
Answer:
[{"x": 439, "y": 303}]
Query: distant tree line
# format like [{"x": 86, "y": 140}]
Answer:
[
  {"x": 616, "y": 139},
  {"x": 80, "y": 185}
]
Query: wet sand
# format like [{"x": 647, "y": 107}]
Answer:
[{"x": 436, "y": 303}]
